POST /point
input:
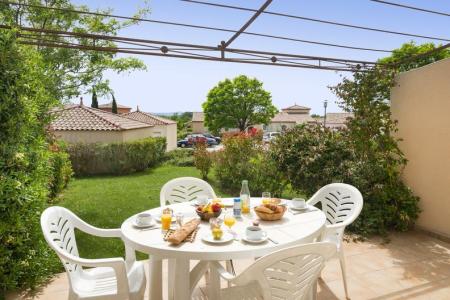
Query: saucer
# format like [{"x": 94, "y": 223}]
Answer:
[
  {"x": 151, "y": 224},
  {"x": 263, "y": 239},
  {"x": 226, "y": 237},
  {"x": 299, "y": 208}
]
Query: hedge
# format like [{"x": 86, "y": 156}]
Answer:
[{"x": 116, "y": 158}]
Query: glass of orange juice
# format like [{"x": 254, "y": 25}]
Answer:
[
  {"x": 266, "y": 198},
  {"x": 166, "y": 219},
  {"x": 229, "y": 220}
]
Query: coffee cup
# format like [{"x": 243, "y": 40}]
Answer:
[
  {"x": 143, "y": 219},
  {"x": 298, "y": 203},
  {"x": 202, "y": 200},
  {"x": 255, "y": 233}
]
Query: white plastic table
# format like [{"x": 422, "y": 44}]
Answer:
[{"x": 292, "y": 229}]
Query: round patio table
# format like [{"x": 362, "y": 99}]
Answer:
[{"x": 292, "y": 229}]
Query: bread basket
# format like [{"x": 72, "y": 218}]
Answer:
[{"x": 271, "y": 216}]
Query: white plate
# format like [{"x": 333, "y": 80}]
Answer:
[
  {"x": 151, "y": 224},
  {"x": 264, "y": 238},
  {"x": 226, "y": 237},
  {"x": 158, "y": 218}
]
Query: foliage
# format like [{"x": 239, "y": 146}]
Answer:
[
  {"x": 73, "y": 71},
  {"x": 238, "y": 103},
  {"x": 311, "y": 156},
  {"x": 61, "y": 170},
  {"x": 182, "y": 119},
  {"x": 410, "y": 49},
  {"x": 116, "y": 158},
  {"x": 114, "y": 105},
  {"x": 94, "y": 103},
  {"x": 24, "y": 172},
  {"x": 244, "y": 157},
  {"x": 202, "y": 159},
  {"x": 180, "y": 158}
]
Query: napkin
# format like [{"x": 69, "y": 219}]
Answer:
[{"x": 180, "y": 234}]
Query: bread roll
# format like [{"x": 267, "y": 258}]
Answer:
[
  {"x": 264, "y": 209},
  {"x": 180, "y": 234}
]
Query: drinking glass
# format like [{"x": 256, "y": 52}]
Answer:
[
  {"x": 229, "y": 220},
  {"x": 266, "y": 198},
  {"x": 166, "y": 219}
]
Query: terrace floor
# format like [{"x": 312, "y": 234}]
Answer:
[{"x": 411, "y": 266}]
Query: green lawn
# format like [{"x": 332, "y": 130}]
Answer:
[{"x": 108, "y": 200}]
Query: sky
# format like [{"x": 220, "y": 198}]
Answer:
[{"x": 174, "y": 85}]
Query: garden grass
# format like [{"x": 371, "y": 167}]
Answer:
[{"x": 106, "y": 201}]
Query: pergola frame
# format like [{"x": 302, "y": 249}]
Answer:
[{"x": 52, "y": 38}]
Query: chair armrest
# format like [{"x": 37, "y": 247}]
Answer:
[
  {"x": 92, "y": 230},
  {"x": 221, "y": 270},
  {"x": 116, "y": 263}
]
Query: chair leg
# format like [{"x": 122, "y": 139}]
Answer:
[
  {"x": 343, "y": 269},
  {"x": 230, "y": 268}
]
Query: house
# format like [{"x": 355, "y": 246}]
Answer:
[
  {"x": 121, "y": 109},
  {"x": 289, "y": 117},
  {"x": 337, "y": 120},
  {"x": 79, "y": 123},
  {"x": 161, "y": 126},
  {"x": 197, "y": 124}
]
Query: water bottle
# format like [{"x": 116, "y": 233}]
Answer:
[
  {"x": 245, "y": 197},
  {"x": 237, "y": 207}
]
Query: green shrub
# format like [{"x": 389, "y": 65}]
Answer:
[
  {"x": 244, "y": 157},
  {"x": 25, "y": 259},
  {"x": 180, "y": 158},
  {"x": 116, "y": 158},
  {"x": 312, "y": 157},
  {"x": 202, "y": 159},
  {"x": 61, "y": 170}
]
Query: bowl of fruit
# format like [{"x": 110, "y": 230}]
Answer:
[{"x": 208, "y": 211}]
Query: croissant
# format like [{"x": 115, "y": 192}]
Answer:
[{"x": 264, "y": 209}]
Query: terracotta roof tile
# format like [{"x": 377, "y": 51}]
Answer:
[
  {"x": 284, "y": 117},
  {"x": 79, "y": 117},
  {"x": 148, "y": 118},
  {"x": 109, "y": 105}
]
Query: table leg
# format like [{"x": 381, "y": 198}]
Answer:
[
  {"x": 181, "y": 285},
  {"x": 155, "y": 277},
  {"x": 171, "y": 266},
  {"x": 214, "y": 284}
]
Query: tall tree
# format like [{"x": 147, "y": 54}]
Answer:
[
  {"x": 238, "y": 103},
  {"x": 75, "y": 71},
  {"x": 114, "y": 105},
  {"x": 94, "y": 103}
]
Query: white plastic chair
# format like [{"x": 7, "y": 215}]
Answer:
[
  {"x": 342, "y": 204},
  {"x": 107, "y": 278},
  {"x": 289, "y": 273},
  {"x": 184, "y": 189}
]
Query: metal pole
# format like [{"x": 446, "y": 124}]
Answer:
[{"x": 325, "y": 103}]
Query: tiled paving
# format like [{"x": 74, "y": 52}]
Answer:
[{"x": 411, "y": 266}]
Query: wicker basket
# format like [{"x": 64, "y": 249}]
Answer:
[
  {"x": 205, "y": 216},
  {"x": 271, "y": 217}
]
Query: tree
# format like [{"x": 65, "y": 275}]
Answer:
[
  {"x": 238, "y": 103},
  {"x": 94, "y": 103},
  {"x": 114, "y": 105},
  {"x": 74, "y": 71},
  {"x": 25, "y": 103}
]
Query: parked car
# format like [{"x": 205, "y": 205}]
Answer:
[
  {"x": 192, "y": 139},
  {"x": 183, "y": 143},
  {"x": 209, "y": 135},
  {"x": 269, "y": 136}
]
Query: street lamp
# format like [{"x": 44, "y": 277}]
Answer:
[{"x": 325, "y": 103}]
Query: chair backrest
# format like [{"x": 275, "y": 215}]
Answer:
[
  {"x": 58, "y": 224},
  {"x": 289, "y": 273},
  {"x": 184, "y": 189},
  {"x": 341, "y": 203}
]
